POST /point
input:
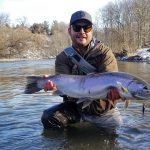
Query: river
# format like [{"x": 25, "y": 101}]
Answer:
[{"x": 20, "y": 114}]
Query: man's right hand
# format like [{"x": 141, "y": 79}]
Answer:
[{"x": 49, "y": 85}]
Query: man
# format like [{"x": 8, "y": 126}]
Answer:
[{"x": 95, "y": 53}]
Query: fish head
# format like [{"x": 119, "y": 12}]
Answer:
[{"x": 139, "y": 89}]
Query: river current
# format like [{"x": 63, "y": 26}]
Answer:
[{"x": 20, "y": 115}]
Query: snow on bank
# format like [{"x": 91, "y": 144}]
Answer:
[{"x": 144, "y": 53}]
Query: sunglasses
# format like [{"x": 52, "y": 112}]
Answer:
[{"x": 86, "y": 28}]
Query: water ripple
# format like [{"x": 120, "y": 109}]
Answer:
[{"x": 20, "y": 115}]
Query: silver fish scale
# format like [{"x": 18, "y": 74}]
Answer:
[{"x": 97, "y": 85}]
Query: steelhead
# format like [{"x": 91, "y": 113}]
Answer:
[{"x": 93, "y": 86}]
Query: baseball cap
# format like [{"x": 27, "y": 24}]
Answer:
[{"x": 80, "y": 15}]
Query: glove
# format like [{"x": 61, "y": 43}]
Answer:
[
  {"x": 49, "y": 85},
  {"x": 113, "y": 94}
]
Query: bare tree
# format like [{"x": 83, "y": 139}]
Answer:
[
  {"x": 126, "y": 24},
  {"x": 4, "y": 19},
  {"x": 22, "y": 22}
]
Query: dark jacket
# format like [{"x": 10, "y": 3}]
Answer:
[{"x": 98, "y": 55}]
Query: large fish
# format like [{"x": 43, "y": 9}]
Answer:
[{"x": 93, "y": 86}]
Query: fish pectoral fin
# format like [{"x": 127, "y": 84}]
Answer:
[
  {"x": 81, "y": 100},
  {"x": 86, "y": 102}
]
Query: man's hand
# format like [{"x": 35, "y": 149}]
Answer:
[
  {"x": 113, "y": 94},
  {"x": 49, "y": 85}
]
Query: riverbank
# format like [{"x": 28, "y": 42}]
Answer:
[
  {"x": 22, "y": 59},
  {"x": 13, "y": 59},
  {"x": 141, "y": 55}
]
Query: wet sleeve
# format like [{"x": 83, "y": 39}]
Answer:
[{"x": 108, "y": 61}]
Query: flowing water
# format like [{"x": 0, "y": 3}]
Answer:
[{"x": 20, "y": 124}]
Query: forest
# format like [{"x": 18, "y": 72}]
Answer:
[{"x": 123, "y": 25}]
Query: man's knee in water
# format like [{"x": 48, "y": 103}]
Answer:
[
  {"x": 53, "y": 120},
  {"x": 59, "y": 117}
]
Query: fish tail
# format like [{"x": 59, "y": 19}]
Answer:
[{"x": 32, "y": 85}]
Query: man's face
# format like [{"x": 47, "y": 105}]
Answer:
[{"x": 81, "y": 33}]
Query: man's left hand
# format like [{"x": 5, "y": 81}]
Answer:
[{"x": 113, "y": 94}]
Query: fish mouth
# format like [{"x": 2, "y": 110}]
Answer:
[{"x": 143, "y": 95}]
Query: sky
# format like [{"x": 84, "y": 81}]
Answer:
[{"x": 38, "y": 11}]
